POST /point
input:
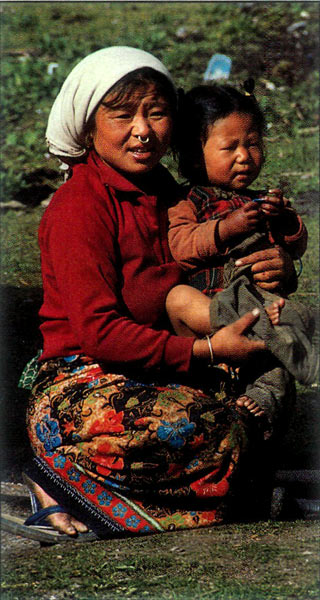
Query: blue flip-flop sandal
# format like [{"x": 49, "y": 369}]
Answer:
[{"x": 36, "y": 528}]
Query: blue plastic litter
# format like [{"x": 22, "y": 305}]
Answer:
[{"x": 219, "y": 67}]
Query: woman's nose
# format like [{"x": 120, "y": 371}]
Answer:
[{"x": 140, "y": 127}]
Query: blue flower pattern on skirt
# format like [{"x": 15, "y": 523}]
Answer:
[
  {"x": 59, "y": 462},
  {"x": 89, "y": 487},
  {"x": 48, "y": 433},
  {"x": 73, "y": 474},
  {"x": 133, "y": 521},
  {"x": 119, "y": 510},
  {"x": 105, "y": 499},
  {"x": 176, "y": 433}
]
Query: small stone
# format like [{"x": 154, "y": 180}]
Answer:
[{"x": 13, "y": 205}]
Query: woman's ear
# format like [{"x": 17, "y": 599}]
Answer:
[{"x": 89, "y": 131}]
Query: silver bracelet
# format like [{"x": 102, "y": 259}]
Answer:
[{"x": 210, "y": 350}]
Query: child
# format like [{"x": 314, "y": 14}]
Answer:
[{"x": 221, "y": 154}]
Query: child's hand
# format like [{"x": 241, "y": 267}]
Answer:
[
  {"x": 241, "y": 220},
  {"x": 273, "y": 203}
]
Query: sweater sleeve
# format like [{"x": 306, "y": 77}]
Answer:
[
  {"x": 294, "y": 242},
  {"x": 191, "y": 243},
  {"x": 81, "y": 271}
]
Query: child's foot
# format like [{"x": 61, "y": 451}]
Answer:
[
  {"x": 250, "y": 405},
  {"x": 62, "y": 522},
  {"x": 273, "y": 311}
]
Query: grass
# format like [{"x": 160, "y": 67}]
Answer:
[
  {"x": 257, "y": 561},
  {"x": 231, "y": 562},
  {"x": 20, "y": 257}
]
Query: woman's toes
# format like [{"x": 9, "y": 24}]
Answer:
[
  {"x": 62, "y": 522},
  {"x": 65, "y": 523},
  {"x": 80, "y": 527}
]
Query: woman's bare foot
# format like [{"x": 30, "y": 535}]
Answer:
[
  {"x": 62, "y": 522},
  {"x": 273, "y": 311},
  {"x": 245, "y": 402}
]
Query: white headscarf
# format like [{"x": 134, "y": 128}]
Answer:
[{"x": 84, "y": 88}]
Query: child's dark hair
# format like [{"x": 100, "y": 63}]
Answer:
[{"x": 199, "y": 109}]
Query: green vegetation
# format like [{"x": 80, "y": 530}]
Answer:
[
  {"x": 42, "y": 42},
  {"x": 269, "y": 561},
  {"x": 275, "y": 42}
]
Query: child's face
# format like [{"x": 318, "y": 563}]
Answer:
[{"x": 233, "y": 152}]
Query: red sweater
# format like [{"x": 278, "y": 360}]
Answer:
[{"x": 107, "y": 269}]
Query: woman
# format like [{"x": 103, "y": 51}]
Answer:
[{"x": 124, "y": 438}]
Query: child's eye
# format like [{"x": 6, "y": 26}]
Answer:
[
  {"x": 254, "y": 142},
  {"x": 158, "y": 114}
]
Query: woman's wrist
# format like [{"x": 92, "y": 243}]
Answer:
[
  {"x": 200, "y": 350},
  {"x": 203, "y": 350}
]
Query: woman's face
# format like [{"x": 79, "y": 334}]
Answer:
[
  {"x": 233, "y": 152},
  {"x": 145, "y": 114}
]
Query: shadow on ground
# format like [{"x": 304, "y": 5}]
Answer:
[{"x": 21, "y": 340}]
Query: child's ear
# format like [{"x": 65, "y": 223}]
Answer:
[{"x": 202, "y": 171}]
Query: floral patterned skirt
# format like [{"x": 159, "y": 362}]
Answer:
[{"x": 128, "y": 455}]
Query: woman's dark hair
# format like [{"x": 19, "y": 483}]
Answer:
[
  {"x": 198, "y": 111},
  {"x": 121, "y": 92}
]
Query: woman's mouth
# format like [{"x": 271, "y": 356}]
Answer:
[{"x": 141, "y": 153}]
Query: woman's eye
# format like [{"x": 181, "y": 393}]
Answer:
[{"x": 123, "y": 116}]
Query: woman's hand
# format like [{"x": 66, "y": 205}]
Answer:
[
  {"x": 230, "y": 343},
  {"x": 270, "y": 268}
]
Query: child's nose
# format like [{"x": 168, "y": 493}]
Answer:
[{"x": 243, "y": 154}]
